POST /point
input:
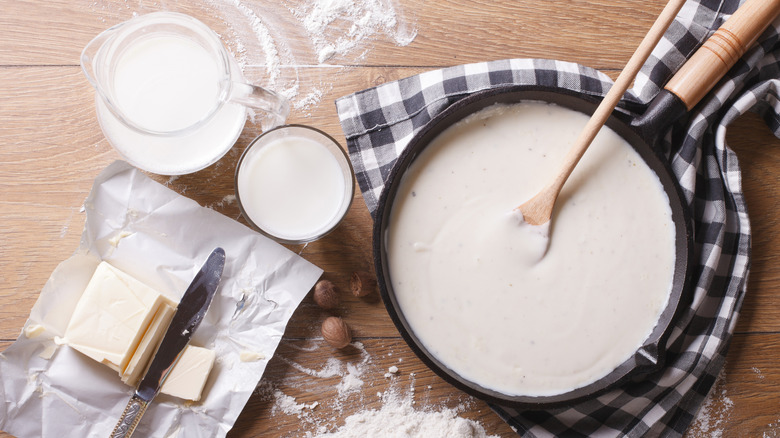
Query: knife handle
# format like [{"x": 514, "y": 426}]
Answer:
[{"x": 130, "y": 417}]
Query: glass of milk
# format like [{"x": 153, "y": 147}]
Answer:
[
  {"x": 170, "y": 98},
  {"x": 294, "y": 184}
]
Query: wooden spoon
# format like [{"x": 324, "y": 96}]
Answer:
[{"x": 538, "y": 210}]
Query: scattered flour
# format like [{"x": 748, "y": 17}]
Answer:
[
  {"x": 399, "y": 415},
  {"x": 715, "y": 411},
  {"x": 307, "y": 102},
  {"x": 331, "y": 369},
  {"x": 282, "y": 402},
  {"x": 289, "y": 406},
  {"x": 351, "y": 382},
  {"x": 257, "y": 34},
  {"x": 270, "y": 49},
  {"x": 245, "y": 27},
  {"x": 229, "y": 199},
  {"x": 391, "y": 371},
  {"x": 774, "y": 430},
  {"x": 351, "y": 373},
  {"x": 758, "y": 373},
  {"x": 337, "y": 27},
  {"x": 398, "y": 418},
  {"x": 226, "y": 200}
]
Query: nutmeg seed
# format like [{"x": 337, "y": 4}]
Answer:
[
  {"x": 336, "y": 332},
  {"x": 362, "y": 284},
  {"x": 326, "y": 295}
]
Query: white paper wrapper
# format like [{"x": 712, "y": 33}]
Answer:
[{"x": 161, "y": 238}]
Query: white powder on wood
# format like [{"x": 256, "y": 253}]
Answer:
[
  {"x": 289, "y": 405},
  {"x": 311, "y": 99},
  {"x": 332, "y": 368},
  {"x": 334, "y": 27},
  {"x": 774, "y": 430},
  {"x": 351, "y": 373},
  {"x": 340, "y": 26},
  {"x": 282, "y": 402},
  {"x": 352, "y": 381},
  {"x": 715, "y": 410},
  {"x": 398, "y": 418}
]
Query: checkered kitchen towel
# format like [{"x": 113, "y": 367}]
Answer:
[{"x": 379, "y": 122}]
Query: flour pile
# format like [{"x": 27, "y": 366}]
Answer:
[
  {"x": 338, "y": 385},
  {"x": 398, "y": 418}
]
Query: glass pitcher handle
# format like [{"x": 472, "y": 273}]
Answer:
[{"x": 276, "y": 106}]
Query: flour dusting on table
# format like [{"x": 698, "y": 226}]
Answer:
[
  {"x": 337, "y": 27},
  {"x": 758, "y": 372},
  {"x": 715, "y": 411},
  {"x": 261, "y": 35},
  {"x": 399, "y": 415},
  {"x": 774, "y": 430},
  {"x": 395, "y": 409}
]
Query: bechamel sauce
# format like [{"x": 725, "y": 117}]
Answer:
[
  {"x": 292, "y": 187},
  {"x": 474, "y": 282},
  {"x": 167, "y": 83}
]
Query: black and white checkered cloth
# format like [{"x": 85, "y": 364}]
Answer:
[{"x": 379, "y": 122}]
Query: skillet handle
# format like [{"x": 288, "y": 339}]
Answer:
[{"x": 722, "y": 50}]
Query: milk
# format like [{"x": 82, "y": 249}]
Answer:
[
  {"x": 292, "y": 188},
  {"x": 166, "y": 83}
]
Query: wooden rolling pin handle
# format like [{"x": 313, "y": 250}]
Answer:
[{"x": 722, "y": 50}]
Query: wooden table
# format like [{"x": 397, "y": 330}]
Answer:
[{"x": 52, "y": 148}]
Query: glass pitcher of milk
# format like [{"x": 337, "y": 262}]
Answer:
[{"x": 170, "y": 98}]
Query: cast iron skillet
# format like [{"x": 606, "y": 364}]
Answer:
[
  {"x": 680, "y": 95},
  {"x": 649, "y": 357}
]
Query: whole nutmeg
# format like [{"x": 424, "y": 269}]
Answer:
[
  {"x": 336, "y": 332},
  {"x": 362, "y": 284},
  {"x": 326, "y": 295}
]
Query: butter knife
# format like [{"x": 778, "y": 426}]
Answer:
[{"x": 192, "y": 307}]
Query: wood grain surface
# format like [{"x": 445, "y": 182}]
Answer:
[{"x": 51, "y": 149}]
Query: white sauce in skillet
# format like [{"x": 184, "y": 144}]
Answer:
[{"x": 475, "y": 283}]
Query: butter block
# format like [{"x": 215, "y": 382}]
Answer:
[
  {"x": 148, "y": 345},
  {"x": 119, "y": 321},
  {"x": 189, "y": 375},
  {"x": 112, "y": 316}
]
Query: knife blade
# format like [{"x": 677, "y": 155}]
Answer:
[{"x": 192, "y": 307}]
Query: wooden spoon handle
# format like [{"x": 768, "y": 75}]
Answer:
[
  {"x": 538, "y": 209},
  {"x": 722, "y": 50},
  {"x": 618, "y": 89}
]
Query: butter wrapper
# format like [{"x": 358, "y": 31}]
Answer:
[{"x": 160, "y": 237}]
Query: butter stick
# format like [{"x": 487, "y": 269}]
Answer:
[{"x": 112, "y": 316}]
